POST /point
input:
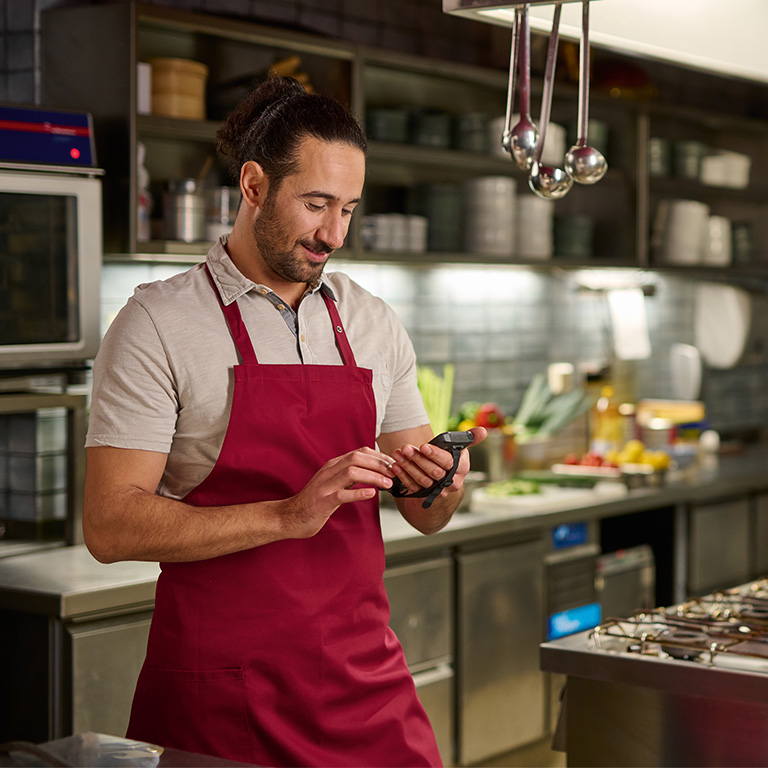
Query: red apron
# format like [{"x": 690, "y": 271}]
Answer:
[{"x": 282, "y": 655}]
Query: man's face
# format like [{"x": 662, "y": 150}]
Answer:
[{"x": 308, "y": 216}]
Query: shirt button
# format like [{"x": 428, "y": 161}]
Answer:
[
  {"x": 281, "y": 307},
  {"x": 263, "y": 291},
  {"x": 303, "y": 337}
]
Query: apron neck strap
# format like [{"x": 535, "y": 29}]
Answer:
[
  {"x": 243, "y": 340},
  {"x": 338, "y": 331},
  {"x": 236, "y": 326}
]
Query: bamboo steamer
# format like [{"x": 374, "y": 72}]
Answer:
[{"x": 178, "y": 88}]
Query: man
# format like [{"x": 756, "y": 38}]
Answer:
[{"x": 233, "y": 437}]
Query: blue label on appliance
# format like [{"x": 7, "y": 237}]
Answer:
[
  {"x": 569, "y": 535},
  {"x": 573, "y": 620},
  {"x": 46, "y": 137}
]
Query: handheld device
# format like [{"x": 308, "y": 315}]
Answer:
[{"x": 454, "y": 443}]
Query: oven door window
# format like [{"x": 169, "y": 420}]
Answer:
[{"x": 38, "y": 269}]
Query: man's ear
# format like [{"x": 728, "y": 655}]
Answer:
[{"x": 254, "y": 184}]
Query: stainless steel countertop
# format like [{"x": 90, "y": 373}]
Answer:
[
  {"x": 69, "y": 583},
  {"x": 723, "y": 477}
]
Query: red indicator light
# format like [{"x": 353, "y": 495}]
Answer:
[{"x": 74, "y": 153}]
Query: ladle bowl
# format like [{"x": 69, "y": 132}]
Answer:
[
  {"x": 585, "y": 164},
  {"x": 549, "y": 182},
  {"x": 523, "y": 140}
]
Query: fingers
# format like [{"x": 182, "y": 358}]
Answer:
[
  {"x": 480, "y": 433},
  {"x": 364, "y": 466},
  {"x": 420, "y": 467}
]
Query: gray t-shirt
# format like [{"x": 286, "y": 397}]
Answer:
[{"x": 162, "y": 380}]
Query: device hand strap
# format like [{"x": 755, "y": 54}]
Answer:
[{"x": 431, "y": 493}]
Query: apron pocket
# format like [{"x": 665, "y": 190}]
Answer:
[{"x": 201, "y": 711}]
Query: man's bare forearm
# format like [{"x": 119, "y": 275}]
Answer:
[
  {"x": 137, "y": 525},
  {"x": 435, "y": 517}
]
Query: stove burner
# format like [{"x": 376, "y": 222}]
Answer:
[{"x": 728, "y": 628}]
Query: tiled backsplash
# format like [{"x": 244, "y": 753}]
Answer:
[{"x": 501, "y": 326}]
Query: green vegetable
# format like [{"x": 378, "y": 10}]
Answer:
[
  {"x": 534, "y": 399},
  {"x": 563, "y": 409},
  {"x": 543, "y": 413},
  {"x": 437, "y": 393},
  {"x": 468, "y": 410},
  {"x": 512, "y": 487}
]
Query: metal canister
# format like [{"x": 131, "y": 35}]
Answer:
[{"x": 184, "y": 211}]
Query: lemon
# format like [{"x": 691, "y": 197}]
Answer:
[
  {"x": 632, "y": 451},
  {"x": 466, "y": 424},
  {"x": 659, "y": 460}
]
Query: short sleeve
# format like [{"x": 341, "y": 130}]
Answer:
[
  {"x": 404, "y": 408},
  {"x": 134, "y": 402}
]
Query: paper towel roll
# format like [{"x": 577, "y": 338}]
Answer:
[{"x": 630, "y": 324}]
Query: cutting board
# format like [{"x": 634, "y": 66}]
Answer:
[{"x": 550, "y": 499}]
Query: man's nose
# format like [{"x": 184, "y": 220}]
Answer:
[{"x": 334, "y": 229}]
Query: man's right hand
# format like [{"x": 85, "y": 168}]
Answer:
[{"x": 355, "y": 476}]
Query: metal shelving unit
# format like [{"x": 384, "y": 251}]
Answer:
[{"x": 102, "y": 79}]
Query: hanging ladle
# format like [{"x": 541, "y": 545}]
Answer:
[
  {"x": 506, "y": 136},
  {"x": 545, "y": 180},
  {"x": 524, "y": 137},
  {"x": 584, "y": 164}
]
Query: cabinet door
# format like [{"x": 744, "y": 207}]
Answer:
[
  {"x": 501, "y": 691},
  {"x": 435, "y": 688},
  {"x": 105, "y": 656},
  {"x": 421, "y": 607},
  {"x": 719, "y": 545}
]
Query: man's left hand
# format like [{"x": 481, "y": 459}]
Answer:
[{"x": 420, "y": 467}]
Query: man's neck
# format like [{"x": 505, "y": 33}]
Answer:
[{"x": 257, "y": 272}]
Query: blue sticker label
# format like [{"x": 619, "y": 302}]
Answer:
[
  {"x": 574, "y": 620},
  {"x": 569, "y": 535}
]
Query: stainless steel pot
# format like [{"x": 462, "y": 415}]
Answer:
[{"x": 184, "y": 211}]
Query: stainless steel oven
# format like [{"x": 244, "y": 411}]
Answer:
[{"x": 50, "y": 238}]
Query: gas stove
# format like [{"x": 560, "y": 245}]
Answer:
[
  {"x": 726, "y": 629},
  {"x": 685, "y": 685}
]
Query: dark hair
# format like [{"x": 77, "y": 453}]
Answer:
[{"x": 268, "y": 125}]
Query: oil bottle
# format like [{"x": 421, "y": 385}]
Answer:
[{"x": 606, "y": 423}]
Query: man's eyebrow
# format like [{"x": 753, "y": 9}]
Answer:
[{"x": 327, "y": 196}]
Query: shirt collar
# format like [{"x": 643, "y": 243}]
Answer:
[{"x": 232, "y": 284}]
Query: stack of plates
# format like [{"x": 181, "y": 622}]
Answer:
[
  {"x": 490, "y": 215},
  {"x": 534, "y": 227},
  {"x": 719, "y": 242},
  {"x": 726, "y": 169},
  {"x": 681, "y": 231}
]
